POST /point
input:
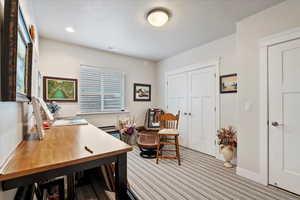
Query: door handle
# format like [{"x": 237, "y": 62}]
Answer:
[
  {"x": 185, "y": 113},
  {"x": 190, "y": 114},
  {"x": 276, "y": 124}
]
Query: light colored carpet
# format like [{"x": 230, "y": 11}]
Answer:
[{"x": 199, "y": 177}]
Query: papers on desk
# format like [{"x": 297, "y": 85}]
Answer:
[{"x": 70, "y": 122}]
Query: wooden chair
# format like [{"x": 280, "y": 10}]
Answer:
[{"x": 168, "y": 135}]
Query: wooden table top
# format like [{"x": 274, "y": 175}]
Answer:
[{"x": 61, "y": 146}]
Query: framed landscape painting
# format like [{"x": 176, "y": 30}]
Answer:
[
  {"x": 141, "y": 92},
  {"x": 228, "y": 83},
  {"x": 60, "y": 89}
]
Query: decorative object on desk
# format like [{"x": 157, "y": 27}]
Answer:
[
  {"x": 39, "y": 105},
  {"x": 36, "y": 105},
  {"x": 17, "y": 55},
  {"x": 45, "y": 108},
  {"x": 228, "y": 83},
  {"x": 128, "y": 131},
  {"x": 60, "y": 89},
  {"x": 141, "y": 92},
  {"x": 228, "y": 143},
  {"x": 53, "y": 107}
]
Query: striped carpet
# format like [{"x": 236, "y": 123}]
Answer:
[{"x": 199, "y": 177}]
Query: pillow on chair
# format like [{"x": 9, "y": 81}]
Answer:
[{"x": 168, "y": 131}]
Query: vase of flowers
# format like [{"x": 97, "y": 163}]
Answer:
[
  {"x": 128, "y": 131},
  {"x": 228, "y": 143},
  {"x": 54, "y": 108}
]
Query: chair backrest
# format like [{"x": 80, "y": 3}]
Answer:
[{"x": 169, "y": 121}]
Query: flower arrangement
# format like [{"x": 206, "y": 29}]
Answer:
[
  {"x": 53, "y": 107},
  {"x": 127, "y": 127},
  {"x": 227, "y": 137},
  {"x": 128, "y": 131}
]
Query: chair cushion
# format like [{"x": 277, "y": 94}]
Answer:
[{"x": 169, "y": 131}]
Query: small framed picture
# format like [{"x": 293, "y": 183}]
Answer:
[
  {"x": 60, "y": 89},
  {"x": 228, "y": 83},
  {"x": 141, "y": 92},
  {"x": 53, "y": 190}
]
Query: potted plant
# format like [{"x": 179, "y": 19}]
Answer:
[{"x": 228, "y": 143}]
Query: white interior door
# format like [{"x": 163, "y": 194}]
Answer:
[
  {"x": 202, "y": 108},
  {"x": 284, "y": 116},
  {"x": 177, "y": 101}
]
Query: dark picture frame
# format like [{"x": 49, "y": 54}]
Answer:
[
  {"x": 141, "y": 92},
  {"x": 17, "y": 55},
  {"x": 55, "y": 188},
  {"x": 63, "y": 90},
  {"x": 228, "y": 83}
]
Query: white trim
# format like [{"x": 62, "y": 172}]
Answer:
[
  {"x": 104, "y": 113},
  {"x": 280, "y": 37},
  {"x": 264, "y": 116},
  {"x": 210, "y": 63},
  {"x": 215, "y": 62},
  {"x": 218, "y": 107},
  {"x": 265, "y": 43},
  {"x": 249, "y": 175}
]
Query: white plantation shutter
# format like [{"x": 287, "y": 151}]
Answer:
[{"x": 101, "y": 91}]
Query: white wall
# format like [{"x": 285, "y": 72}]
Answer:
[
  {"x": 224, "y": 48},
  {"x": 279, "y": 18},
  {"x": 64, "y": 60},
  {"x": 13, "y": 115}
]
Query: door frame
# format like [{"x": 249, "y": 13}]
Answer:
[
  {"x": 210, "y": 63},
  {"x": 265, "y": 44}
]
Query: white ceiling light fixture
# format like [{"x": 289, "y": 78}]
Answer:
[
  {"x": 158, "y": 17},
  {"x": 70, "y": 29}
]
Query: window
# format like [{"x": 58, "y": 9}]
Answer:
[{"x": 101, "y": 90}]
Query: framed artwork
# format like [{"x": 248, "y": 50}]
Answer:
[
  {"x": 141, "y": 92},
  {"x": 54, "y": 190},
  {"x": 228, "y": 83},
  {"x": 60, "y": 89},
  {"x": 17, "y": 55}
]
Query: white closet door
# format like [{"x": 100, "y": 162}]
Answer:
[
  {"x": 284, "y": 116},
  {"x": 202, "y": 110},
  {"x": 177, "y": 100}
]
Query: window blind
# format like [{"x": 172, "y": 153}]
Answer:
[{"x": 100, "y": 90}]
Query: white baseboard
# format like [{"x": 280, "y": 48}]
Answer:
[{"x": 250, "y": 175}]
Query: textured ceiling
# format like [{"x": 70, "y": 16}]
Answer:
[{"x": 120, "y": 25}]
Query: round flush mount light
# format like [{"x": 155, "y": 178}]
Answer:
[
  {"x": 70, "y": 29},
  {"x": 158, "y": 17}
]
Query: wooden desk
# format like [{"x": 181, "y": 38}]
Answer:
[{"x": 62, "y": 152}]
